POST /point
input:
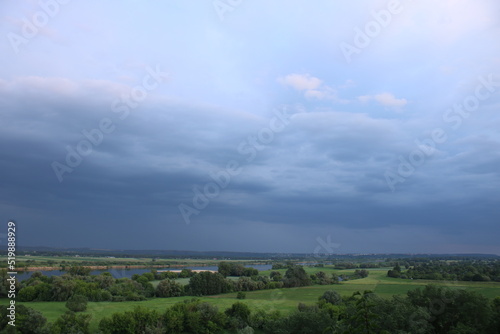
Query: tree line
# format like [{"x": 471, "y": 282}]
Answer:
[{"x": 477, "y": 270}]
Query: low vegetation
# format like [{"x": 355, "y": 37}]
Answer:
[
  {"x": 289, "y": 298},
  {"x": 430, "y": 309},
  {"x": 477, "y": 270}
]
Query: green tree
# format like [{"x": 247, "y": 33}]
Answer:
[
  {"x": 28, "y": 320},
  {"x": 193, "y": 316},
  {"x": 332, "y": 297},
  {"x": 247, "y": 284},
  {"x": 174, "y": 318},
  {"x": 238, "y": 314},
  {"x": 395, "y": 272},
  {"x": 398, "y": 315},
  {"x": 77, "y": 303},
  {"x": 79, "y": 271},
  {"x": 27, "y": 294},
  {"x": 276, "y": 276},
  {"x": 148, "y": 288},
  {"x": 250, "y": 272},
  {"x": 210, "y": 319},
  {"x": 246, "y": 330},
  {"x": 224, "y": 268},
  {"x": 70, "y": 322},
  {"x": 361, "y": 273},
  {"x": 62, "y": 288},
  {"x": 140, "y": 320},
  {"x": 185, "y": 273},
  {"x": 149, "y": 276},
  {"x": 127, "y": 289},
  {"x": 207, "y": 283},
  {"x": 364, "y": 319},
  {"x": 335, "y": 278},
  {"x": 296, "y": 276},
  {"x": 495, "y": 322},
  {"x": 451, "y": 308},
  {"x": 168, "y": 288},
  {"x": 310, "y": 320},
  {"x": 323, "y": 279},
  {"x": 104, "y": 280}
]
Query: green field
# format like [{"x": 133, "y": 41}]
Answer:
[{"x": 284, "y": 300}]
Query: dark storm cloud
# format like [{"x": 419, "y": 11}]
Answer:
[{"x": 322, "y": 174}]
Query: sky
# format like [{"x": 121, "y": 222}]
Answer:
[{"x": 263, "y": 126}]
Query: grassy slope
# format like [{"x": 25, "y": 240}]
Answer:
[{"x": 284, "y": 300}]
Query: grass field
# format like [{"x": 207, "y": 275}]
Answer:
[{"x": 284, "y": 300}]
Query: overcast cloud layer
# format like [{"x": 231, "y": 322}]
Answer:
[{"x": 290, "y": 126}]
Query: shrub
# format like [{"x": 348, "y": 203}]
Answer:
[
  {"x": 71, "y": 322},
  {"x": 168, "y": 288},
  {"x": 239, "y": 314},
  {"x": 332, "y": 297},
  {"x": 77, "y": 303}
]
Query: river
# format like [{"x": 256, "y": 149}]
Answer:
[{"x": 120, "y": 273}]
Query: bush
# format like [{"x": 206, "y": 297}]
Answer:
[
  {"x": 310, "y": 320},
  {"x": 79, "y": 271},
  {"x": 27, "y": 294},
  {"x": 296, "y": 276},
  {"x": 28, "y": 320},
  {"x": 149, "y": 276},
  {"x": 332, "y": 297},
  {"x": 246, "y": 330},
  {"x": 71, "y": 322},
  {"x": 361, "y": 273},
  {"x": 241, "y": 295},
  {"x": 77, "y": 303},
  {"x": 168, "y": 288},
  {"x": 207, "y": 283},
  {"x": 140, "y": 320},
  {"x": 276, "y": 276},
  {"x": 238, "y": 314}
]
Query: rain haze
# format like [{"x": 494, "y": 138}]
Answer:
[{"x": 238, "y": 125}]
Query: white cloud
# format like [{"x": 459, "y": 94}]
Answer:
[
  {"x": 385, "y": 99},
  {"x": 313, "y": 93},
  {"x": 301, "y": 81},
  {"x": 312, "y": 87},
  {"x": 389, "y": 100}
]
